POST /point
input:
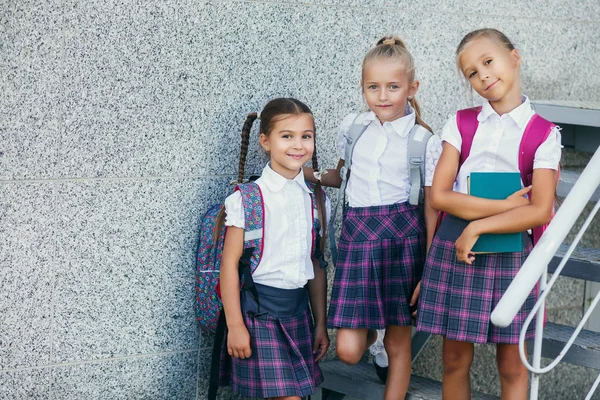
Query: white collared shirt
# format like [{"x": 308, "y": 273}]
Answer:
[
  {"x": 380, "y": 160},
  {"x": 496, "y": 143},
  {"x": 287, "y": 243}
]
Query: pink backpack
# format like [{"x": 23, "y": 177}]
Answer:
[{"x": 536, "y": 132}]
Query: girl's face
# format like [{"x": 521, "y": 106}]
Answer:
[
  {"x": 491, "y": 69},
  {"x": 291, "y": 143},
  {"x": 386, "y": 88}
]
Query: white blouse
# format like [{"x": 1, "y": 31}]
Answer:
[
  {"x": 287, "y": 243},
  {"x": 496, "y": 143},
  {"x": 380, "y": 173}
]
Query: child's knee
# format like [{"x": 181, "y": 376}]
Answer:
[
  {"x": 456, "y": 359},
  {"x": 397, "y": 340},
  {"x": 348, "y": 354},
  {"x": 511, "y": 368}
]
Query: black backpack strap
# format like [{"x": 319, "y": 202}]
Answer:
[{"x": 215, "y": 362}]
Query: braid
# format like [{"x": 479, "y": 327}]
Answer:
[
  {"x": 245, "y": 142},
  {"x": 220, "y": 220},
  {"x": 415, "y": 105},
  {"x": 320, "y": 200}
]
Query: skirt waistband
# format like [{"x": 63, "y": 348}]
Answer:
[
  {"x": 275, "y": 301},
  {"x": 383, "y": 210}
]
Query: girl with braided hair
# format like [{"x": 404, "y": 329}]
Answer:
[{"x": 272, "y": 342}]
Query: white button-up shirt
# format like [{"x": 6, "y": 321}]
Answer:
[
  {"x": 287, "y": 243},
  {"x": 496, "y": 143},
  {"x": 380, "y": 174}
]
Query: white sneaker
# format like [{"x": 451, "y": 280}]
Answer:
[{"x": 378, "y": 346}]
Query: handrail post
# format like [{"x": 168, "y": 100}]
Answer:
[{"x": 537, "y": 342}]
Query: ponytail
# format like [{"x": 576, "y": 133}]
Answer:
[{"x": 415, "y": 105}]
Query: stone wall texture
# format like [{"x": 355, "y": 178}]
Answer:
[{"x": 119, "y": 125}]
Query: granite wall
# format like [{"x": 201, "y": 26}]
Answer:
[{"x": 119, "y": 125}]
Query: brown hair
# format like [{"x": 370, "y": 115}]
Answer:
[
  {"x": 274, "y": 111},
  {"x": 392, "y": 47},
  {"x": 491, "y": 33}
]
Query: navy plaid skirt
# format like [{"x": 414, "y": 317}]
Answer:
[
  {"x": 381, "y": 253},
  {"x": 281, "y": 339},
  {"x": 457, "y": 299}
]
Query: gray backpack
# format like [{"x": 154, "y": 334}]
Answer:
[{"x": 417, "y": 146}]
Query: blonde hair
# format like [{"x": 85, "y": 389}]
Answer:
[
  {"x": 392, "y": 47},
  {"x": 491, "y": 33}
]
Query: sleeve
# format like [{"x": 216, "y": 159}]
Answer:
[
  {"x": 549, "y": 152},
  {"x": 451, "y": 134},
  {"x": 343, "y": 131},
  {"x": 432, "y": 156},
  {"x": 234, "y": 210}
]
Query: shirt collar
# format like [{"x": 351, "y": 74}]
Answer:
[
  {"x": 401, "y": 125},
  {"x": 276, "y": 182},
  {"x": 521, "y": 114}
]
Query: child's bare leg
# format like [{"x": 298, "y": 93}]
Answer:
[
  {"x": 351, "y": 344},
  {"x": 456, "y": 359},
  {"x": 397, "y": 346},
  {"x": 513, "y": 374},
  {"x": 286, "y": 398}
]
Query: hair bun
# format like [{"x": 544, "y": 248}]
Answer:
[{"x": 391, "y": 41}]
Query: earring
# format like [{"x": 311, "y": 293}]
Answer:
[{"x": 410, "y": 98}]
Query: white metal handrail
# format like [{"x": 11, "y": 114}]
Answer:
[{"x": 534, "y": 270}]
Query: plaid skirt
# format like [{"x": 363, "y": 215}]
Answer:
[
  {"x": 281, "y": 339},
  {"x": 381, "y": 253},
  {"x": 457, "y": 299}
]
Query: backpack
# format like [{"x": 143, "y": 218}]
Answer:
[
  {"x": 418, "y": 138},
  {"x": 536, "y": 132},
  {"x": 209, "y": 252}
]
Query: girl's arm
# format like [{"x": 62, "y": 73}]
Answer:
[
  {"x": 537, "y": 212},
  {"x": 431, "y": 216},
  {"x": 238, "y": 338},
  {"x": 331, "y": 179},
  {"x": 461, "y": 205},
  {"x": 317, "y": 290}
]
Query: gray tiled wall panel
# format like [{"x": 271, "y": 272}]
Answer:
[{"x": 27, "y": 266}]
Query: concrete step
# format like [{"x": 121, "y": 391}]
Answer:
[
  {"x": 566, "y": 182},
  {"x": 583, "y": 264},
  {"x": 361, "y": 382},
  {"x": 585, "y": 351}
]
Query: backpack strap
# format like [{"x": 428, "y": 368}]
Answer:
[
  {"x": 467, "y": 123},
  {"x": 316, "y": 227},
  {"x": 536, "y": 132},
  {"x": 254, "y": 214},
  {"x": 418, "y": 138},
  {"x": 354, "y": 133}
]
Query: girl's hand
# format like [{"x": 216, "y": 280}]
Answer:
[
  {"x": 464, "y": 244},
  {"x": 415, "y": 297},
  {"x": 320, "y": 342},
  {"x": 238, "y": 342},
  {"x": 517, "y": 199}
]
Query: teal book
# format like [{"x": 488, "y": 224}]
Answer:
[{"x": 496, "y": 186}]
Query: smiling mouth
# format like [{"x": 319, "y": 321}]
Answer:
[
  {"x": 296, "y": 156},
  {"x": 492, "y": 85},
  {"x": 384, "y": 105}
]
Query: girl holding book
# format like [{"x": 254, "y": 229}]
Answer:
[{"x": 459, "y": 288}]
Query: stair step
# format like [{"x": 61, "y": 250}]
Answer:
[
  {"x": 566, "y": 182},
  {"x": 585, "y": 351},
  {"x": 361, "y": 382},
  {"x": 583, "y": 264}
]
